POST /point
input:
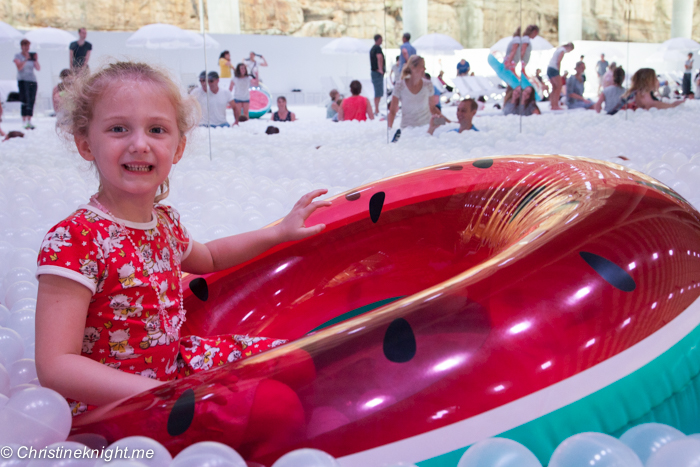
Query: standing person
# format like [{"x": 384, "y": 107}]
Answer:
[
  {"x": 377, "y": 62},
  {"x": 283, "y": 114},
  {"x": 414, "y": 92},
  {"x": 212, "y": 100},
  {"x": 688, "y": 75},
  {"x": 355, "y": 107},
  {"x": 574, "y": 90},
  {"x": 252, "y": 63},
  {"x": 394, "y": 75},
  {"x": 225, "y": 68},
  {"x": 26, "y": 63},
  {"x": 407, "y": 50},
  {"x": 601, "y": 68},
  {"x": 553, "y": 73},
  {"x": 80, "y": 51},
  {"x": 463, "y": 68},
  {"x": 241, "y": 91}
]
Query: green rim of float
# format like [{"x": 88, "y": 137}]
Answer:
[
  {"x": 260, "y": 102},
  {"x": 663, "y": 391}
]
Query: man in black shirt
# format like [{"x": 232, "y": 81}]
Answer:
[
  {"x": 377, "y": 63},
  {"x": 80, "y": 51}
]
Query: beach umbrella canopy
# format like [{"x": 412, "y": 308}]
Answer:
[
  {"x": 668, "y": 55},
  {"x": 162, "y": 36},
  {"x": 682, "y": 44},
  {"x": 211, "y": 43},
  {"x": 539, "y": 44},
  {"x": 9, "y": 34},
  {"x": 49, "y": 39},
  {"x": 437, "y": 44},
  {"x": 347, "y": 46}
]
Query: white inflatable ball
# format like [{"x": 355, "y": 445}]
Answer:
[
  {"x": 35, "y": 417},
  {"x": 27, "y": 238},
  {"x": 682, "y": 188},
  {"x": 126, "y": 463},
  {"x": 663, "y": 175},
  {"x": 29, "y": 351},
  {"x": 22, "y": 371},
  {"x": 21, "y": 387},
  {"x": 22, "y": 321},
  {"x": 252, "y": 220},
  {"x": 61, "y": 450},
  {"x": 647, "y": 438},
  {"x": 14, "y": 460},
  {"x": 675, "y": 158},
  {"x": 5, "y": 383},
  {"x": 306, "y": 458},
  {"x": 18, "y": 275},
  {"x": 25, "y": 303},
  {"x": 18, "y": 291},
  {"x": 211, "y": 448},
  {"x": 683, "y": 452},
  {"x": 214, "y": 214},
  {"x": 11, "y": 346},
  {"x": 4, "y": 314},
  {"x": 657, "y": 163},
  {"x": 597, "y": 449},
  {"x": 498, "y": 451},
  {"x": 161, "y": 456},
  {"x": 206, "y": 460}
]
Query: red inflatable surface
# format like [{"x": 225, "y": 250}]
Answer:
[{"x": 440, "y": 291}]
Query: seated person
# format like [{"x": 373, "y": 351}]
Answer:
[
  {"x": 60, "y": 90},
  {"x": 355, "y": 107},
  {"x": 528, "y": 105},
  {"x": 511, "y": 101},
  {"x": 640, "y": 93},
  {"x": 608, "y": 76},
  {"x": 574, "y": 90},
  {"x": 463, "y": 68},
  {"x": 282, "y": 114},
  {"x": 210, "y": 96},
  {"x": 611, "y": 94},
  {"x": 465, "y": 113},
  {"x": 333, "y": 106}
]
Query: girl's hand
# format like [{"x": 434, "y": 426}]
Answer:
[{"x": 292, "y": 226}]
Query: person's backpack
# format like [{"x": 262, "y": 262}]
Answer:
[{"x": 13, "y": 97}]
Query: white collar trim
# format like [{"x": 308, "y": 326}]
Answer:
[{"x": 133, "y": 225}]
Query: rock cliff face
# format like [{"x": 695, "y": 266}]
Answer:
[{"x": 475, "y": 23}]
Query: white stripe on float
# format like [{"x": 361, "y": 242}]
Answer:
[{"x": 506, "y": 417}]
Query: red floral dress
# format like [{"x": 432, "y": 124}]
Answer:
[{"x": 122, "y": 328}]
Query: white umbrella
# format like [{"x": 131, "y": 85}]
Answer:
[
  {"x": 668, "y": 55},
  {"x": 8, "y": 33},
  {"x": 438, "y": 44},
  {"x": 49, "y": 39},
  {"x": 162, "y": 36},
  {"x": 682, "y": 44},
  {"x": 539, "y": 44},
  {"x": 199, "y": 42},
  {"x": 347, "y": 46}
]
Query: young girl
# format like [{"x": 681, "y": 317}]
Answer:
[
  {"x": 241, "y": 82},
  {"x": 640, "y": 93},
  {"x": 109, "y": 307}
]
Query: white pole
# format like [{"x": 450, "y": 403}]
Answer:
[
  {"x": 415, "y": 18},
  {"x": 224, "y": 16},
  {"x": 570, "y": 21},
  {"x": 682, "y": 19}
]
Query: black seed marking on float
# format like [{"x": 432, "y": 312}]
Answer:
[
  {"x": 524, "y": 202},
  {"x": 354, "y": 196},
  {"x": 182, "y": 413},
  {"x": 399, "y": 342},
  {"x": 376, "y": 203},
  {"x": 483, "y": 163},
  {"x": 451, "y": 167},
  {"x": 200, "y": 289},
  {"x": 611, "y": 272}
]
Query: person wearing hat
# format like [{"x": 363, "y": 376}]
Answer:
[{"x": 213, "y": 100}]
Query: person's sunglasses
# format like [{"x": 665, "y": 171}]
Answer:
[{"x": 212, "y": 80}]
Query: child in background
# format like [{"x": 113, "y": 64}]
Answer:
[
  {"x": 59, "y": 92},
  {"x": 241, "y": 82},
  {"x": 110, "y": 301}
]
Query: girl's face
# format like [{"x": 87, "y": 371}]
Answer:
[
  {"x": 419, "y": 68},
  {"x": 527, "y": 92},
  {"x": 133, "y": 139},
  {"x": 227, "y": 56},
  {"x": 242, "y": 70},
  {"x": 281, "y": 104}
]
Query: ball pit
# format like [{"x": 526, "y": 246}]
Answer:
[{"x": 43, "y": 175}]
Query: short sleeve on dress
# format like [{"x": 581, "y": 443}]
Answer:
[
  {"x": 70, "y": 250},
  {"x": 182, "y": 240}
]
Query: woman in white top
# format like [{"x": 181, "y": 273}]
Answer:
[
  {"x": 520, "y": 48},
  {"x": 241, "y": 91},
  {"x": 553, "y": 73},
  {"x": 415, "y": 93}
]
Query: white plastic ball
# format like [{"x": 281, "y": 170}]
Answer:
[
  {"x": 5, "y": 383},
  {"x": 306, "y": 458},
  {"x": 675, "y": 158},
  {"x": 22, "y": 371},
  {"x": 23, "y": 322},
  {"x": 684, "y": 452},
  {"x": 65, "y": 461},
  {"x": 498, "y": 451},
  {"x": 211, "y": 448},
  {"x": 11, "y": 346},
  {"x": 4, "y": 314},
  {"x": 18, "y": 291},
  {"x": 25, "y": 303},
  {"x": 35, "y": 417},
  {"x": 161, "y": 456},
  {"x": 21, "y": 387},
  {"x": 600, "y": 449},
  {"x": 647, "y": 438}
]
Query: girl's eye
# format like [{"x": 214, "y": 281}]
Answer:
[
  {"x": 158, "y": 130},
  {"x": 118, "y": 129}
]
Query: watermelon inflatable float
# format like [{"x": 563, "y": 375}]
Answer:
[
  {"x": 528, "y": 297},
  {"x": 260, "y": 102}
]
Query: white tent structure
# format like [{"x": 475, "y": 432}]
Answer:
[
  {"x": 8, "y": 34},
  {"x": 347, "y": 46},
  {"x": 163, "y": 36},
  {"x": 437, "y": 44}
]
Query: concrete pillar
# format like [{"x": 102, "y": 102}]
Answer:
[
  {"x": 224, "y": 16},
  {"x": 415, "y": 18},
  {"x": 471, "y": 20},
  {"x": 570, "y": 21},
  {"x": 682, "y": 19}
]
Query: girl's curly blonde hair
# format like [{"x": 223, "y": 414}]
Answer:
[{"x": 86, "y": 88}]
